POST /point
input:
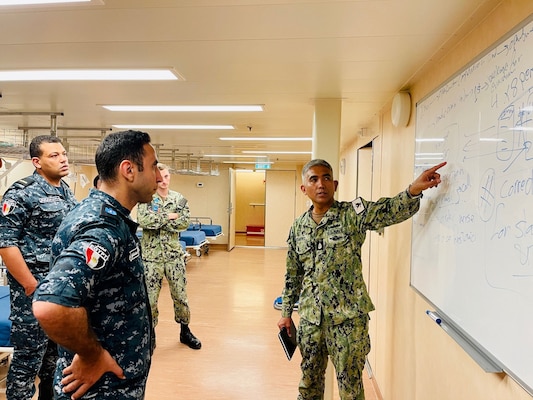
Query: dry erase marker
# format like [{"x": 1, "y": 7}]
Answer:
[{"x": 434, "y": 317}]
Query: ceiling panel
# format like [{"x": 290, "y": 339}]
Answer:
[{"x": 283, "y": 54}]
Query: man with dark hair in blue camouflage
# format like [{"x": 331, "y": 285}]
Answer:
[
  {"x": 94, "y": 303},
  {"x": 32, "y": 209},
  {"x": 324, "y": 273}
]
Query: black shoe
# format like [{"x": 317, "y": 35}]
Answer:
[{"x": 190, "y": 340}]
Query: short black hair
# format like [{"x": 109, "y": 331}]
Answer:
[
  {"x": 95, "y": 180},
  {"x": 117, "y": 147},
  {"x": 35, "y": 145}
]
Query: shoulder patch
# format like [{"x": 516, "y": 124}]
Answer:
[
  {"x": 96, "y": 256},
  {"x": 182, "y": 203},
  {"x": 358, "y": 205},
  {"x": 22, "y": 183},
  {"x": 108, "y": 211},
  {"x": 8, "y": 206}
]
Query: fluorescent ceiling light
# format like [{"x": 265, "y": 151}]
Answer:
[
  {"x": 231, "y": 156},
  {"x": 246, "y": 162},
  {"x": 267, "y": 139},
  {"x": 181, "y": 127},
  {"x": 182, "y": 108},
  {"x": 275, "y": 152},
  {"x": 90, "y": 75},
  {"x": 25, "y": 2}
]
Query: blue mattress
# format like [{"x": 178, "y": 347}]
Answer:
[
  {"x": 5, "y": 310},
  {"x": 209, "y": 230},
  {"x": 193, "y": 238},
  {"x": 183, "y": 245}
]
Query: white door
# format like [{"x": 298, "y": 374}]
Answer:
[{"x": 231, "y": 209}]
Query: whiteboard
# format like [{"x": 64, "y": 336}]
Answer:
[{"x": 472, "y": 243}]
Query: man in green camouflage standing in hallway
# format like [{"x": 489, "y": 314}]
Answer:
[
  {"x": 162, "y": 220},
  {"x": 324, "y": 273}
]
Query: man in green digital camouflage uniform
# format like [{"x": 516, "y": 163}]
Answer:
[
  {"x": 162, "y": 220},
  {"x": 324, "y": 273}
]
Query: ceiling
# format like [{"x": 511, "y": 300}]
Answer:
[{"x": 283, "y": 54}]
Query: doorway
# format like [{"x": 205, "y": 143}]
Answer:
[
  {"x": 250, "y": 208},
  {"x": 265, "y": 203}
]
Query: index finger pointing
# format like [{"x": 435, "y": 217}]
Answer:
[{"x": 436, "y": 167}]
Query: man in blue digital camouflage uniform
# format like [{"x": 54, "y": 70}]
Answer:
[
  {"x": 93, "y": 303},
  {"x": 324, "y": 273},
  {"x": 32, "y": 209},
  {"x": 162, "y": 220}
]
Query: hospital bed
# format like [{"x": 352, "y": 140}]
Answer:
[
  {"x": 182, "y": 243},
  {"x": 6, "y": 350},
  {"x": 212, "y": 232},
  {"x": 195, "y": 240},
  {"x": 199, "y": 233},
  {"x": 5, "y": 323}
]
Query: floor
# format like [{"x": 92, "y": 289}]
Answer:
[
  {"x": 242, "y": 239},
  {"x": 231, "y": 296}
]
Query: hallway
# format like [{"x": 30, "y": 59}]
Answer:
[{"x": 231, "y": 295}]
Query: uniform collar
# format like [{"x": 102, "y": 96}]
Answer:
[
  {"x": 110, "y": 201},
  {"x": 47, "y": 187},
  {"x": 331, "y": 211}
]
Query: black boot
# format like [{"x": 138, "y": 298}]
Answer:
[{"x": 186, "y": 337}]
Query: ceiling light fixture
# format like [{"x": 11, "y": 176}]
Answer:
[
  {"x": 28, "y": 2},
  {"x": 159, "y": 74},
  {"x": 184, "y": 108},
  {"x": 231, "y": 156},
  {"x": 268, "y": 139},
  {"x": 246, "y": 162},
  {"x": 176, "y": 127},
  {"x": 275, "y": 152}
]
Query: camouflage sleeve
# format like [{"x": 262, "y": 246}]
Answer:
[
  {"x": 148, "y": 219},
  {"x": 181, "y": 207},
  {"x": 390, "y": 210},
  {"x": 182, "y": 222},
  {"x": 74, "y": 272},
  {"x": 293, "y": 278},
  {"x": 15, "y": 213}
]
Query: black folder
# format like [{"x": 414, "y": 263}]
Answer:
[{"x": 288, "y": 342}]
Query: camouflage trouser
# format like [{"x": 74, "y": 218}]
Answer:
[
  {"x": 347, "y": 344},
  {"x": 108, "y": 387},
  {"x": 177, "y": 283},
  {"x": 33, "y": 353}
]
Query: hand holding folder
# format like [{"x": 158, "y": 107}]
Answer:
[{"x": 288, "y": 342}]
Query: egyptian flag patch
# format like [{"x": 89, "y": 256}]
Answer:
[
  {"x": 96, "y": 256},
  {"x": 7, "y": 206}
]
